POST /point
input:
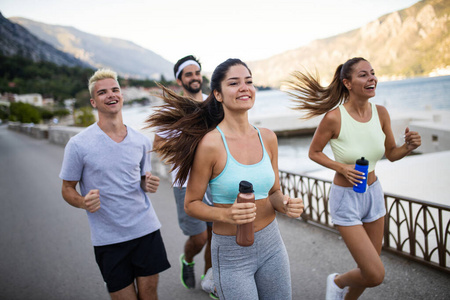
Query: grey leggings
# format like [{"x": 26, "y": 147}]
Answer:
[{"x": 260, "y": 271}]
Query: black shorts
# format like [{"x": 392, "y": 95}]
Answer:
[{"x": 121, "y": 263}]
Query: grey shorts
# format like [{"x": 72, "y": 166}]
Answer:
[
  {"x": 348, "y": 208},
  {"x": 189, "y": 225}
]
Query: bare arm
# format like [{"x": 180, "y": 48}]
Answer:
[
  {"x": 392, "y": 151},
  {"x": 90, "y": 202},
  {"x": 292, "y": 207},
  {"x": 328, "y": 129}
]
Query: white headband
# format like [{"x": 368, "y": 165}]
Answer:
[{"x": 184, "y": 65}]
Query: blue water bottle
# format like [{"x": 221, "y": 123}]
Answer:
[{"x": 362, "y": 165}]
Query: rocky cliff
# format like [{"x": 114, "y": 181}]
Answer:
[
  {"x": 126, "y": 58},
  {"x": 407, "y": 43},
  {"x": 16, "y": 40}
]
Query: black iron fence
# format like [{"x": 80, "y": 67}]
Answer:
[{"x": 415, "y": 229}]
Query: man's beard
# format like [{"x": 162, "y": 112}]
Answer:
[{"x": 188, "y": 88}]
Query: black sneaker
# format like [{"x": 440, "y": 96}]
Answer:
[{"x": 187, "y": 273}]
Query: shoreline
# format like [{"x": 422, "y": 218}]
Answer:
[{"x": 433, "y": 125}]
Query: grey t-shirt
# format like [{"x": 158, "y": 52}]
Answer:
[{"x": 115, "y": 169}]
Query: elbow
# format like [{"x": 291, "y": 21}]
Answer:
[
  {"x": 391, "y": 157},
  {"x": 65, "y": 194},
  {"x": 312, "y": 156},
  {"x": 187, "y": 209}
]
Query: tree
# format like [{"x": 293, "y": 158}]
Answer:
[
  {"x": 24, "y": 113},
  {"x": 84, "y": 116},
  {"x": 163, "y": 81},
  {"x": 83, "y": 98},
  {"x": 205, "y": 86},
  {"x": 4, "y": 112}
]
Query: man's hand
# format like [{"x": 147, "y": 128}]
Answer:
[
  {"x": 151, "y": 183},
  {"x": 91, "y": 201}
]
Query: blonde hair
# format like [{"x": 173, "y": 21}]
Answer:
[{"x": 99, "y": 75}]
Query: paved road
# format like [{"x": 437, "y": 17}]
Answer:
[{"x": 46, "y": 252}]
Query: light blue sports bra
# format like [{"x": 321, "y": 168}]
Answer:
[{"x": 225, "y": 187}]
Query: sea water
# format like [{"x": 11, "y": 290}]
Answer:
[
  {"x": 402, "y": 95},
  {"x": 418, "y": 94},
  {"x": 406, "y": 95}
]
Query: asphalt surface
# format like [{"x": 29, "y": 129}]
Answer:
[{"x": 46, "y": 251}]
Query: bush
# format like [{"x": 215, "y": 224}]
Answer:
[
  {"x": 61, "y": 112},
  {"x": 4, "y": 112},
  {"x": 24, "y": 113},
  {"x": 84, "y": 116}
]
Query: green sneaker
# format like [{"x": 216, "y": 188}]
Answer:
[{"x": 187, "y": 273}]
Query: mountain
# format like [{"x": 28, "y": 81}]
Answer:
[
  {"x": 411, "y": 42},
  {"x": 16, "y": 40},
  {"x": 124, "y": 57}
]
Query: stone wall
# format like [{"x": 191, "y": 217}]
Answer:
[{"x": 60, "y": 135}]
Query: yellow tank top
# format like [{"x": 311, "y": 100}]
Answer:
[{"x": 357, "y": 139}]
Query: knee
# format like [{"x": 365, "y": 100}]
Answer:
[
  {"x": 199, "y": 240},
  {"x": 375, "y": 278}
]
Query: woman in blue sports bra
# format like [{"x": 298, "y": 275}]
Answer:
[
  {"x": 218, "y": 146},
  {"x": 354, "y": 127}
]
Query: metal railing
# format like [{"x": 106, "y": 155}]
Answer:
[{"x": 415, "y": 229}]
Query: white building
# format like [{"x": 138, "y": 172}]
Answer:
[
  {"x": 68, "y": 103},
  {"x": 33, "y": 99},
  {"x": 133, "y": 93}
]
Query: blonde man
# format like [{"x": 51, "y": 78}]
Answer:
[{"x": 111, "y": 163}]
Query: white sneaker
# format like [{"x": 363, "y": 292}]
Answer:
[
  {"x": 208, "y": 281},
  {"x": 333, "y": 291}
]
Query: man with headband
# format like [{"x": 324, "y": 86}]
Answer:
[
  {"x": 187, "y": 72},
  {"x": 188, "y": 75}
]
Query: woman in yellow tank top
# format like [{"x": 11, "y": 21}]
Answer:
[{"x": 355, "y": 128}]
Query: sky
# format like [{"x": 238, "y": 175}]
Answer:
[{"x": 212, "y": 30}]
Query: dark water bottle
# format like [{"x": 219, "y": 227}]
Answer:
[
  {"x": 245, "y": 233},
  {"x": 362, "y": 165}
]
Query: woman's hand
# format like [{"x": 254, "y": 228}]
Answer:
[
  {"x": 293, "y": 206},
  {"x": 353, "y": 176},
  {"x": 412, "y": 139},
  {"x": 241, "y": 213}
]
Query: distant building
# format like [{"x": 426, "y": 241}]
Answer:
[
  {"x": 133, "y": 93},
  {"x": 7, "y": 97},
  {"x": 68, "y": 104},
  {"x": 33, "y": 99},
  {"x": 49, "y": 102},
  {"x": 4, "y": 103}
]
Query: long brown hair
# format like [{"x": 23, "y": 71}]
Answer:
[
  {"x": 183, "y": 122},
  {"x": 308, "y": 94}
]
